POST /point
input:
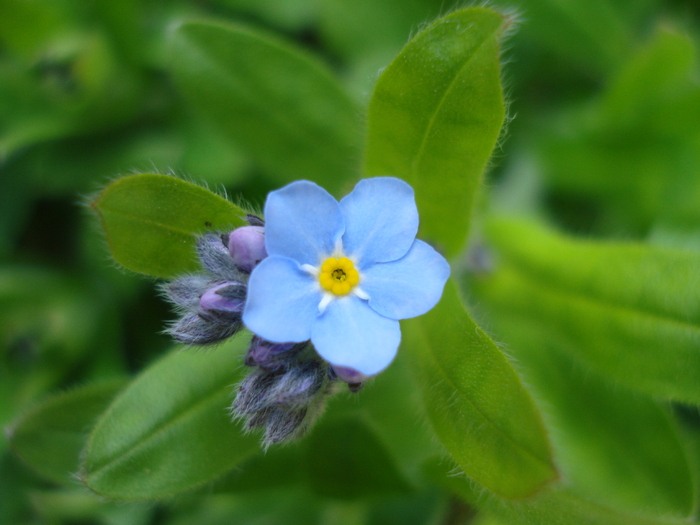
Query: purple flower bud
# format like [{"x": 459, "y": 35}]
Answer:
[
  {"x": 270, "y": 356},
  {"x": 215, "y": 257},
  {"x": 349, "y": 375},
  {"x": 298, "y": 385},
  {"x": 284, "y": 425},
  {"x": 224, "y": 298},
  {"x": 192, "y": 329},
  {"x": 246, "y": 245}
]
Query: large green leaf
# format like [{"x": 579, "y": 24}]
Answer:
[
  {"x": 476, "y": 403},
  {"x": 151, "y": 221},
  {"x": 287, "y": 110},
  {"x": 634, "y": 457},
  {"x": 434, "y": 118},
  {"x": 51, "y": 436},
  {"x": 169, "y": 430},
  {"x": 630, "y": 311}
]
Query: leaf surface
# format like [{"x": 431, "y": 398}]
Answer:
[
  {"x": 629, "y": 311},
  {"x": 151, "y": 220},
  {"x": 284, "y": 106},
  {"x": 51, "y": 436},
  {"x": 169, "y": 430},
  {"x": 476, "y": 402},
  {"x": 434, "y": 118}
]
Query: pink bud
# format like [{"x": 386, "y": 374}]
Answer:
[{"x": 246, "y": 245}]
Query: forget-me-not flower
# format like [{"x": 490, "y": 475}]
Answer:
[{"x": 342, "y": 274}]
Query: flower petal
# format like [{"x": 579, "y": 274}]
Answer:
[
  {"x": 408, "y": 287},
  {"x": 282, "y": 302},
  {"x": 303, "y": 222},
  {"x": 381, "y": 220},
  {"x": 351, "y": 334}
]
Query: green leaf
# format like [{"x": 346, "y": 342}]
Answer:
[
  {"x": 51, "y": 436},
  {"x": 594, "y": 34},
  {"x": 629, "y": 311},
  {"x": 634, "y": 457},
  {"x": 169, "y": 430},
  {"x": 434, "y": 118},
  {"x": 476, "y": 403},
  {"x": 635, "y": 149},
  {"x": 76, "y": 505},
  {"x": 346, "y": 459},
  {"x": 647, "y": 81},
  {"x": 290, "y": 114},
  {"x": 551, "y": 507},
  {"x": 151, "y": 221}
]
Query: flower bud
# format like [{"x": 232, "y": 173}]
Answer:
[
  {"x": 246, "y": 245},
  {"x": 215, "y": 257},
  {"x": 192, "y": 329},
  {"x": 224, "y": 301},
  {"x": 298, "y": 385},
  {"x": 284, "y": 425},
  {"x": 271, "y": 356},
  {"x": 349, "y": 375}
]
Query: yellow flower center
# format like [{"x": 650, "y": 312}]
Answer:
[{"x": 338, "y": 276}]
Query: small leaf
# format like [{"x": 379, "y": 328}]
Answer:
[
  {"x": 51, "y": 436},
  {"x": 346, "y": 459},
  {"x": 434, "y": 118},
  {"x": 290, "y": 114},
  {"x": 476, "y": 403},
  {"x": 151, "y": 221},
  {"x": 629, "y": 311},
  {"x": 169, "y": 430}
]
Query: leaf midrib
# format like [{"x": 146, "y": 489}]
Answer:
[
  {"x": 190, "y": 408},
  {"x": 431, "y": 123}
]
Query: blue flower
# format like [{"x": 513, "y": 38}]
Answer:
[{"x": 343, "y": 273}]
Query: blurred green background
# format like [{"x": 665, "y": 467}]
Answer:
[{"x": 603, "y": 141}]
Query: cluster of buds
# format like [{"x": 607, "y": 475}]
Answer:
[{"x": 288, "y": 384}]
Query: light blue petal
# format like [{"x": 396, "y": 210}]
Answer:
[
  {"x": 349, "y": 333},
  {"x": 303, "y": 222},
  {"x": 408, "y": 287},
  {"x": 282, "y": 301},
  {"x": 381, "y": 220}
]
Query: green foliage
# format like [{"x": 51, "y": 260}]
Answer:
[
  {"x": 635, "y": 457},
  {"x": 434, "y": 118},
  {"x": 150, "y": 221},
  {"x": 51, "y": 437},
  {"x": 557, "y": 381},
  {"x": 635, "y": 147},
  {"x": 476, "y": 402},
  {"x": 169, "y": 431},
  {"x": 347, "y": 460},
  {"x": 287, "y": 110},
  {"x": 556, "y": 507},
  {"x": 629, "y": 311}
]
